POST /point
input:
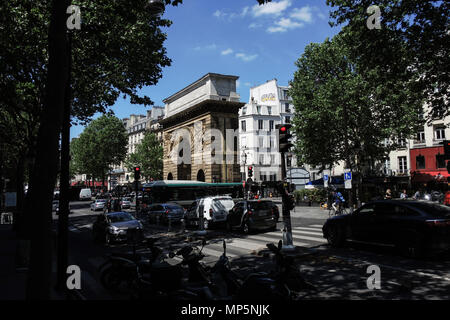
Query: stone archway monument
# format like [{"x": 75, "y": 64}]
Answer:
[{"x": 200, "y": 130}]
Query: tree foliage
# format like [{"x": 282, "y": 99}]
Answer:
[
  {"x": 340, "y": 114},
  {"x": 101, "y": 145},
  {"x": 421, "y": 26},
  {"x": 148, "y": 157}
]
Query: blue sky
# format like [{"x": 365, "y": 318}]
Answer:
[{"x": 235, "y": 37}]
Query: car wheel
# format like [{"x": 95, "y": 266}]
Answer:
[{"x": 335, "y": 236}]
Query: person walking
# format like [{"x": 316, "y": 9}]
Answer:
[
  {"x": 388, "y": 194},
  {"x": 403, "y": 195}
]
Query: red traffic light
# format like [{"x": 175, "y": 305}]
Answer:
[
  {"x": 137, "y": 169},
  {"x": 283, "y": 129},
  {"x": 250, "y": 168}
]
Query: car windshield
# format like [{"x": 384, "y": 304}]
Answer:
[
  {"x": 264, "y": 205},
  {"x": 125, "y": 199},
  {"x": 101, "y": 200},
  {"x": 120, "y": 217},
  {"x": 223, "y": 204},
  {"x": 434, "y": 209}
]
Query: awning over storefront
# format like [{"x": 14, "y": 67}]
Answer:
[{"x": 429, "y": 176}]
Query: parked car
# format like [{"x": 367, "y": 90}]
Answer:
[
  {"x": 125, "y": 203},
  {"x": 413, "y": 227},
  {"x": 55, "y": 205},
  {"x": 252, "y": 215},
  {"x": 215, "y": 211},
  {"x": 276, "y": 211},
  {"x": 85, "y": 194},
  {"x": 98, "y": 204},
  {"x": 116, "y": 226},
  {"x": 164, "y": 212}
]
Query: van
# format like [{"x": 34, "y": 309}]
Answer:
[
  {"x": 215, "y": 211},
  {"x": 85, "y": 194}
]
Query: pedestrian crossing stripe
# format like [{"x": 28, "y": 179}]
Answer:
[
  {"x": 297, "y": 236},
  {"x": 308, "y": 229},
  {"x": 316, "y": 225},
  {"x": 266, "y": 240},
  {"x": 307, "y": 232},
  {"x": 245, "y": 244}
]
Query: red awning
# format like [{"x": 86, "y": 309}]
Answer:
[{"x": 428, "y": 176}]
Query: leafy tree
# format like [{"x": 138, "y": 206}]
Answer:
[
  {"x": 340, "y": 114},
  {"x": 421, "y": 26},
  {"x": 101, "y": 145},
  {"x": 148, "y": 157}
]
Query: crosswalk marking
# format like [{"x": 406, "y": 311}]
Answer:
[
  {"x": 269, "y": 240},
  {"x": 320, "y": 234},
  {"x": 245, "y": 243},
  {"x": 308, "y": 229},
  {"x": 316, "y": 225}
]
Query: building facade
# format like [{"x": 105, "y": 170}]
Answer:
[
  {"x": 200, "y": 131},
  {"x": 269, "y": 105}
]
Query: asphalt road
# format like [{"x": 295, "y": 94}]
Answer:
[{"x": 339, "y": 273}]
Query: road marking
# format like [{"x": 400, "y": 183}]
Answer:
[
  {"x": 303, "y": 237},
  {"x": 308, "y": 229},
  {"x": 307, "y": 232},
  {"x": 316, "y": 225},
  {"x": 270, "y": 240},
  {"x": 245, "y": 243},
  {"x": 216, "y": 253}
]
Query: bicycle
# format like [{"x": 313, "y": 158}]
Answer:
[{"x": 340, "y": 211}]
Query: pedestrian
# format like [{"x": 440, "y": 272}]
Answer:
[
  {"x": 403, "y": 195},
  {"x": 388, "y": 194},
  {"x": 416, "y": 195}
]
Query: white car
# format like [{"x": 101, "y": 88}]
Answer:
[
  {"x": 85, "y": 194},
  {"x": 215, "y": 210}
]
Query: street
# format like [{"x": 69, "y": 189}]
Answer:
[{"x": 337, "y": 273}]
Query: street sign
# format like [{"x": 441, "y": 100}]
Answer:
[{"x": 347, "y": 175}]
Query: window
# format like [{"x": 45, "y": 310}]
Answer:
[
  {"x": 261, "y": 142},
  {"x": 288, "y": 119},
  {"x": 271, "y": 142},
  {"x": 439, "y": 133},
  {"x": 285, "y": 95},
  {"x": 260, "y": 124},
  {"x": 440, "y": 161},
  {"x": 402, "y": 166},
  {"x": 420, "y": 162},
  {"x": 289, "y": 161},
  {"x": 243, "y": 126},
  {"x": 287, "y": 108},
  {"x": 401, "y": 142},
  {"x": 261, "y": 159},
  {"x": 258, "y": 109},
  {"x": 272, "y": 159},
  {"x": 270, "y": 125},
  {"x": 269, "y": 110},
  {"x": 244, "y": 111},
  {"x": 420, "y": 137}
]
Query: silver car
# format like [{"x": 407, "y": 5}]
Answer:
[
  {"x": 125, "y": 203},
  {"x": 98, "y": 204}
]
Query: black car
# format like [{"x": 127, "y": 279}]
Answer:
[
  {"x": 117, "y": 226},
  {"x": 252, "y": 215},
  {"x": 413, "y": 227},
  {"x": 164, "y": 212}
]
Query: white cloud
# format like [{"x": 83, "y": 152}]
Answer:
[
  {"x": 254, "y": 25},
  {"x": 247, "y": 84},
  {"x": 271, "y": 8},
  {"x": 244, "y": 11},
  {"x": 246, "y": 57},
  {"x": 303, "y": 14},
  {"x": 227, "y": 51},
  {"x": 283, "y": 25},
  {"x": 212, "y": 46},
  {"x": 218, "y": 14}
]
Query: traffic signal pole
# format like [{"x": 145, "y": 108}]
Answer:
[{"x": 287, "y": 230}]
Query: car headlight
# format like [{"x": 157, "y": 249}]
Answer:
[{"x": 113, "y": 230}]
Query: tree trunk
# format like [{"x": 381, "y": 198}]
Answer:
[{"x": 44, "y": 171}]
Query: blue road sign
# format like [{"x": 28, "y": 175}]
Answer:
[
  {"x": 347, "y": 176},
  {"x": 325, "y": 177}
]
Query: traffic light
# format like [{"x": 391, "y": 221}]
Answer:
[
  {"x": 137, "y": 173},
  {"x": 283, "y": 137},
  {"x": 250, "y": 171},
  {"x": 447, "y": 149}
]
